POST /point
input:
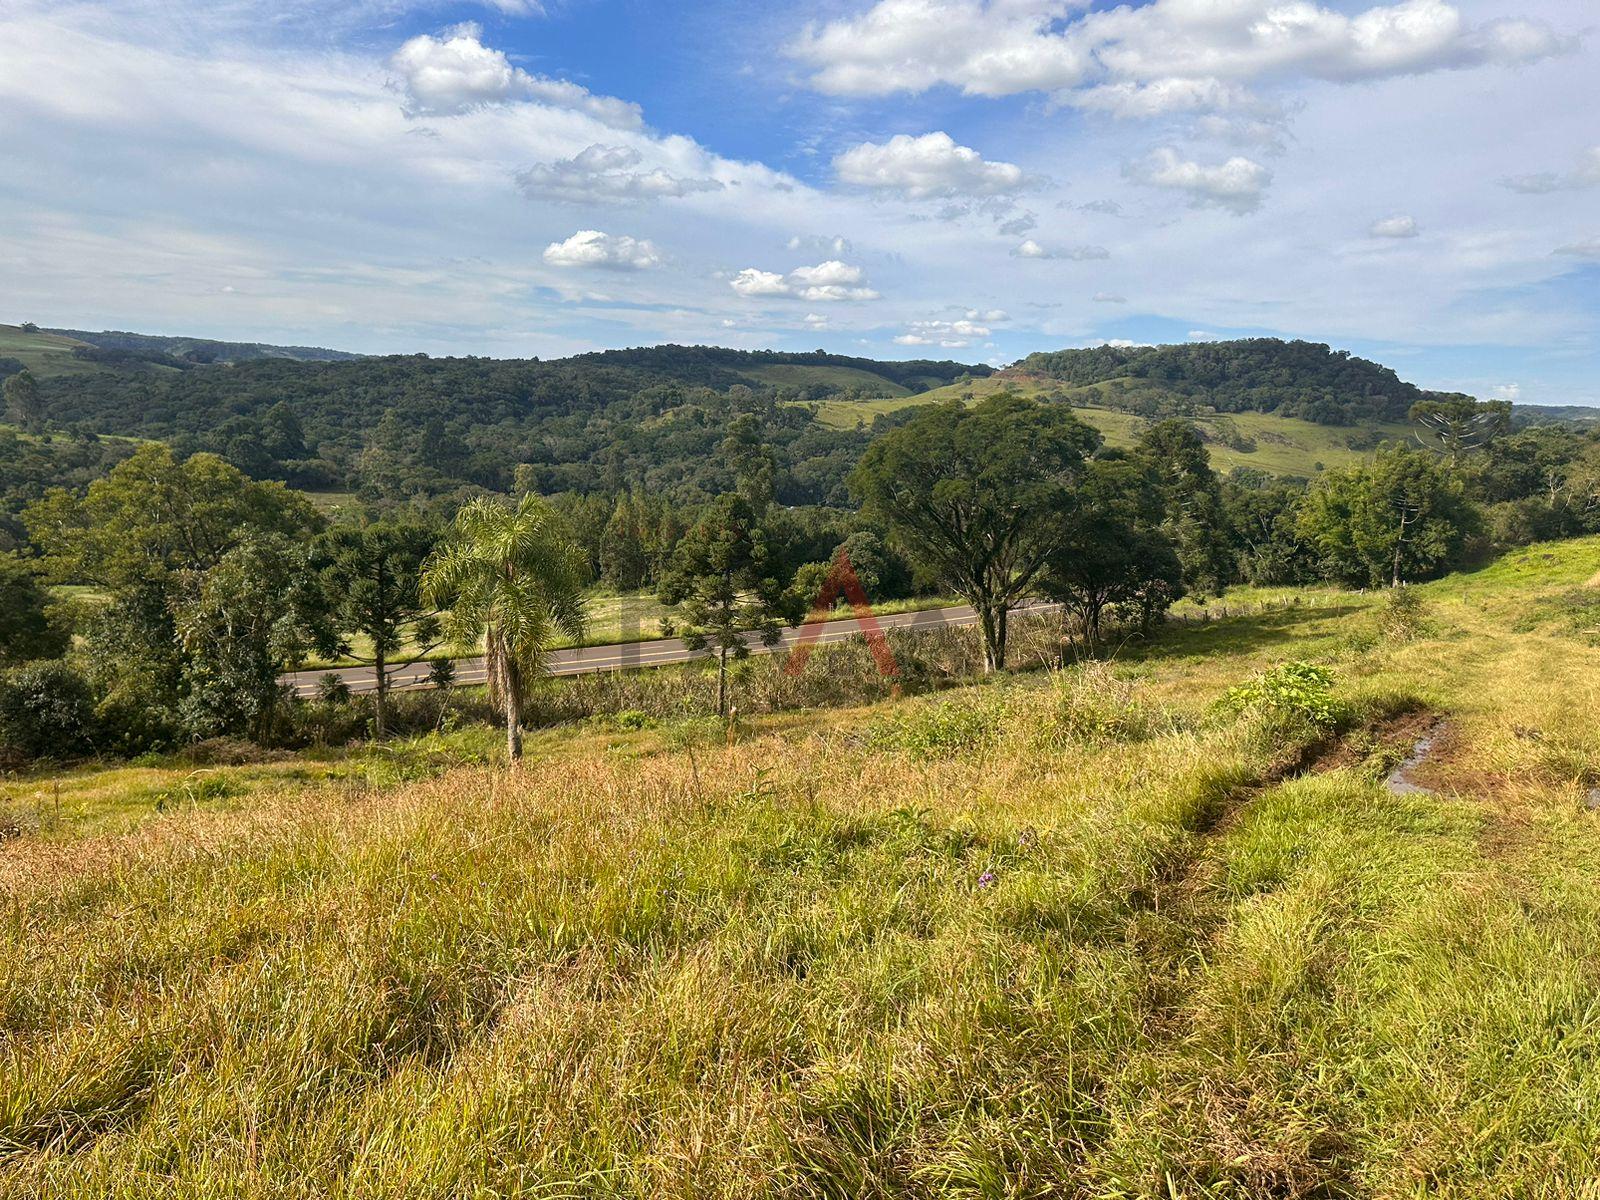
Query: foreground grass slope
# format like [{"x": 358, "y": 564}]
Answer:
[{"x": 1077, "y": 935}]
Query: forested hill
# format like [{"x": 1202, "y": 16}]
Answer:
[
  {"x": 116, "y": 345},
  {"x": 818, "y": 374},
  {"x": 1307, "y": 380},
  {"x": 411, "y": 427}
]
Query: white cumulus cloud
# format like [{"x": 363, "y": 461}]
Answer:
[
  {"x": 930, "y": 165},
  {"x": 1170, "y": 55},
  {"x": 591, "y": 248},
  {"x": 455, "y": 73},
  {"x": 951, "y": 335},
  {"x": 827, "y": 282},
  {"x": 1236, "y": 185}
]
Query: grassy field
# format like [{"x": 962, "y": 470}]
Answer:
[
  {"x": 1283, "y": 445},
  {"x": 802, "y": 375},
  {"x": 45, "y": 354},
  {"x": 1083, "y": 933}
]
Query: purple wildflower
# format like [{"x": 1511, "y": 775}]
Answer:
[{"x": 985, "y": 879}]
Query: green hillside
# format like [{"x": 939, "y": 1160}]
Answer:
[
  {"x": 1266, "y": 441},
  {"x": 197, "y": 350},
  {"x": 47, "y": 355},
  {"x": 653, "y": 417},
  {"x": 835, "y": 377}
]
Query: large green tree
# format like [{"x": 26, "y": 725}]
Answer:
[
  {"x": 27, "y": 627},
  {"x": 730, "y": 586},
  {"x": 23, "y": 404},
  {"x": 1194, "y": 519},
  {"x": 372, "y": 576},
  {"x": 1262, "y": 513},
  {"x": 1114, "y": 553},
  {"x": 258, "y": 611},
  {"x": 1405, "y": 516},
  {"x": 510, "y": 580},
  {"x": 977, "y": 496},
  {"x": 156, "y": 513}
]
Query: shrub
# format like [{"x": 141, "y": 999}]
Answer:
[
  {"x": 332, "y": 689},
  {"x": 1292, "y": 691},
  {"x": 46, "y": 711},
  {"x": 197, "y": 788},
  {"x": 1403, "y": 615}
]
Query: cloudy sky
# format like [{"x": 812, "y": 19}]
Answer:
[{"x": 974, "y": 179}]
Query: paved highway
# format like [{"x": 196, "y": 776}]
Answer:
[{"x": 587, "y": 659}]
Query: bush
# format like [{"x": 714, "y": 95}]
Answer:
[
  {"x": 46, "y": 711},
  {"x": 1403, "y": 615},
  {"x": 1291, "y": 691}
]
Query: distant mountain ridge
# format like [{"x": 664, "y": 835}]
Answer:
[
  {"x": 193, "y": 350},
  {"x": 409, "y": 427},
  {"x": 714, "y": 366}
]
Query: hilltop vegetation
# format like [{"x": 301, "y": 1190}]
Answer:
[
  {"x": 410, "y": 429},
  {"x": 1096, "y": 933},
  {"x": 120, "y": 346},
  {"x": 409, "y": 426},
  {"x": 1307, "y": 380}
]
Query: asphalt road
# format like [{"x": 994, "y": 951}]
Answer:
[{"x": 587, "y": 659}]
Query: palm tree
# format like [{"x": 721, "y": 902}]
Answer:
[{"x": 510, "y": 579}]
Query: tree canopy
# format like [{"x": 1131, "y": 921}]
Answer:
[
  {"x": 1402, "y": 518},
  {"x": 977, "y": 495},
  {"x": 1292, "y": 378},
  {"x": 155, "y": 513}
]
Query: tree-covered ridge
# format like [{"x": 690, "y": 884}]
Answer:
[
  {"x": 413, "y": 425},
  {"x": 716, "y": 367},
  {"x": 1308, "y": 380},
  {"x": 196, "y": 350}
]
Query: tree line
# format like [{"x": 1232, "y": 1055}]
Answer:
[{"x": 199, "y": 585}]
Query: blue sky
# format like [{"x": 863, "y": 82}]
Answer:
[{"x": 1417, "y": 181}]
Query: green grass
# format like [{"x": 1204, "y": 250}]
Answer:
[
  {"x": 801, "y": 375},
  {"x": 975, "y": 944},
  {"x": 45, "y": 354},
  {"x": 1283, "y": 445}
]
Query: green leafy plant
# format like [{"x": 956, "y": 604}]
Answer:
[{"x": 1292, "y": 690}]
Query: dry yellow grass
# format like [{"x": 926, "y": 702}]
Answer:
[{"x": 1049, "y": 938}]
